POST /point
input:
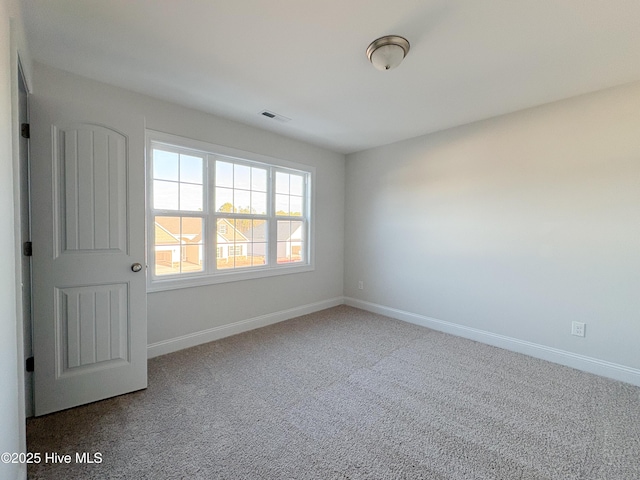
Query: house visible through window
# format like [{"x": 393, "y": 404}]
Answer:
[{"x": 255, "y": 216}]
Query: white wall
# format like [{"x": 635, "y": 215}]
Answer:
[
  {"x": 514, "y": 226},
  {"x": 12, "y": 425},
  {"x": 182, "y": 312}
]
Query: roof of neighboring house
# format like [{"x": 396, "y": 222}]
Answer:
[
  {"x": 296, "y": 231},
  {"x": 191, "y": 228},
  {"x": 259, "y": 233},
  {"x": 162, "y": 235}
]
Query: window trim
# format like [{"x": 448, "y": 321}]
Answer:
[{"x": 155, "y": 283}]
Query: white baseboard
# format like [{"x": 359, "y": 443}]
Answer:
[
  {"x": 562, "y": 357},
  {"x": 216, "y": 333},
  {"x": 573, "y": 360}
]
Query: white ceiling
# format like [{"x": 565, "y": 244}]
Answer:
[{"x": 303, "y": 59}]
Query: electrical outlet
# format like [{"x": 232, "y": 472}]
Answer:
[
  {"x": 360, "y": 285},
  {"x": 578, "y": 329}
]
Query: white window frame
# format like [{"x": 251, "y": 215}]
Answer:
[{"x": 210, "y": 275}]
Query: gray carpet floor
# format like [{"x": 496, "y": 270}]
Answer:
[{"x": 346, "y": 394}]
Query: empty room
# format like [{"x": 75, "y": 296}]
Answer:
[{"x": 320, "y": 240}]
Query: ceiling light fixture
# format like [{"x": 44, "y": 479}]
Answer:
[{"x": 386, "y": 53}]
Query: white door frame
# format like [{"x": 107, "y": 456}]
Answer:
[{"x": 24, "y": 233}]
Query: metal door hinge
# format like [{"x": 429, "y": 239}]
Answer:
[
  {"x": 25, "y": 130},
  {"x": 27, "y": 249},
  {"x": 30, "y": 364}
]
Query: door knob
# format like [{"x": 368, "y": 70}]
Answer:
[{"x": 136, "y": 267}]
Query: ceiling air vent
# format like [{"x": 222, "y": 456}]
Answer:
[{"x": 275, "y": 116}]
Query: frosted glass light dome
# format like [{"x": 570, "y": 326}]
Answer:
[{"x": 386, "y": 53}]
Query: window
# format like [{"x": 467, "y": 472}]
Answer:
[{"x": 216, "y": 214}]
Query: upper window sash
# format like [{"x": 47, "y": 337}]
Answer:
[{"x": 178, "y": 179}]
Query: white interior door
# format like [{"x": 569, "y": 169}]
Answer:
[{"x": 89, "y": 306}]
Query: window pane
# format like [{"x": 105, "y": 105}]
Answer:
[
  {"x": 296, "y": 206},
  {"x": 282, "y": 182},
  {"x": 190, "y": 169},
  {"x": 284, "y": 230},
  {"x": 165, "y": 195},
  {"x": 282, "y": 204},
  {"x": 258, "y": 203},
  {"x": 290, "y": 248},
  {"x": 167, "y": 259},
  {"x": 297, "y": 252},
  {"x": 224, "y": 261},
  {"x": 224, "y": 174},
  {"x": 191, "y": 229},
  {"x": 242, "y": 201},
  {"x": 244, "y": 229},
  {"x": 225, "y": 238},
  {"x": 296, "y": 185},
  {"x": 242, "y": 177},
  {"x": 259, "y": 231},
  {"x": 297, "y": 231},
  {"x": 259, "y": 179},
  {"x": 241, "y": 243},
  {"x": 192, "y": 247},
  {"x": 283, "y": 255},
  {"x": 225, "y": 231},
  {"x": 224, "y": 200},
  {"x": 166, "y": 230},
  {"x": 165, "y": 165},
  {"x": 190, "y": 197},
  {"x": 178, "y": 245},
  {"x": 258, "y": 254}
]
